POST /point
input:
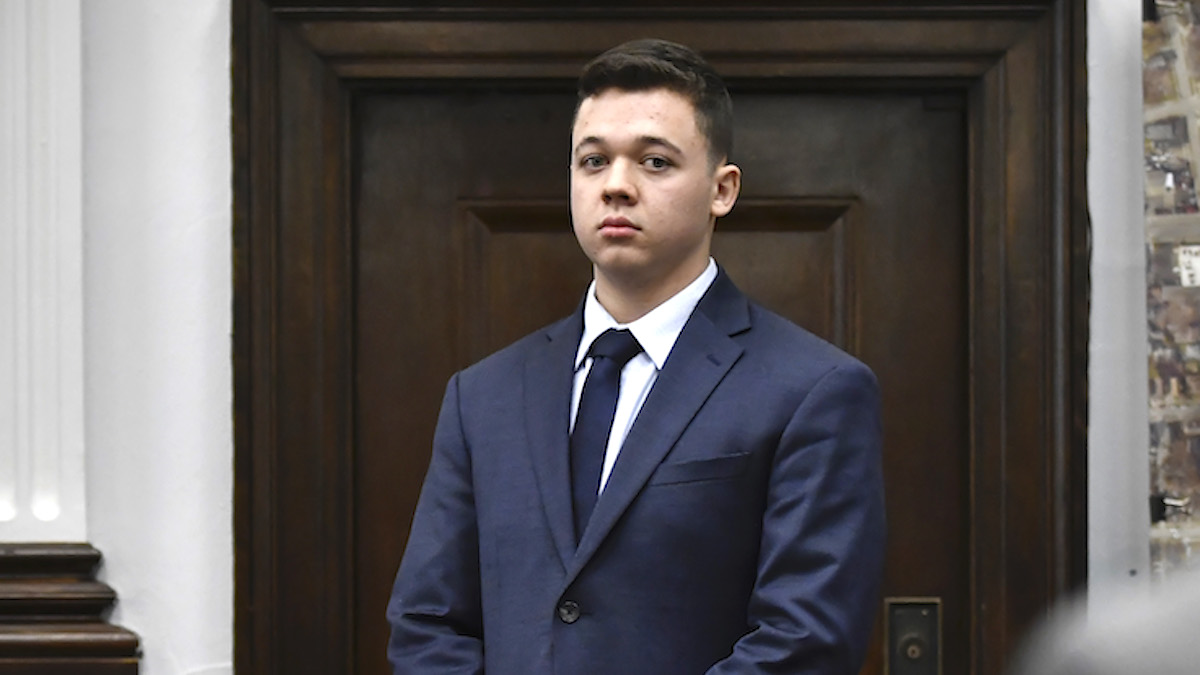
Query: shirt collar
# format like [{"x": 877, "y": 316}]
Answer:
[{"x": 657, "y": 330}]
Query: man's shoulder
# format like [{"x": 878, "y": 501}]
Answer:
[
  {"x": 788, "y": 345},
  {"x": 776, "y": 343},
  {"x": 513, "y": 356}
]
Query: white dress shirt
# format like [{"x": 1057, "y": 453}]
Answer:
[{"x": 656, "y": 332}]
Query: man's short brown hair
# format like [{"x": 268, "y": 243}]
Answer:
[{"x": 641, "y": 65}]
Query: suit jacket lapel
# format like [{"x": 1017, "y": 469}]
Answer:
[
  {"x": 701, "y": 357},
  {"x": 547, "y": 389}
]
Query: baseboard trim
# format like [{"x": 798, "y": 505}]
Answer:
[{"x": 53, "y": 614}]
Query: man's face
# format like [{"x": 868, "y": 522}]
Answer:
[{"x": 644, "y": 193}]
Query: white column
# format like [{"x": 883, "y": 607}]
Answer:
[
  {"x": 41, "y": 289},
  {"x": 1118, "y": 415}
]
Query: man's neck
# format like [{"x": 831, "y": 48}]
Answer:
[{"x": 628, "y": 300}]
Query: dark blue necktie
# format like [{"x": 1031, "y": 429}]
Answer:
[{"x": 593, "y": 421}]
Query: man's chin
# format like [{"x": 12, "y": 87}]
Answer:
[{"x": 622, "y": 266}]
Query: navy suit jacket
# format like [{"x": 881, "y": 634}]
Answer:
[{"x": 741, "y": 530}]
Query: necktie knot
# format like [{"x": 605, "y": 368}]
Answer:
[{"x": 617, "y": 345}]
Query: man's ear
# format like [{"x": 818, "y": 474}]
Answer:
[{"x": 728, "y": 182}]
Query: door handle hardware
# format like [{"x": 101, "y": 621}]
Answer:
[{"x": 912, "y": 636}]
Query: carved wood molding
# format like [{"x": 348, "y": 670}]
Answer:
[
  {"x": 52, "y": 613},
  {"x": 738, "y": 48}
]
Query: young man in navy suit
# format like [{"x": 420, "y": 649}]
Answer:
[{"x": 672, "y": 479}]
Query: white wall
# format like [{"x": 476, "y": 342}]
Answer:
[
  {"x": 158, "y": 315},
  {"x": 157, "y": 322},
  {"x": 1118, "y": 436}
]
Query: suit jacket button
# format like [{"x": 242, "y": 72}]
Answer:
[{"x": 568, "y": 611}]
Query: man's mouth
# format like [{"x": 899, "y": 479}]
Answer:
[{"x": 616, "y": 224}]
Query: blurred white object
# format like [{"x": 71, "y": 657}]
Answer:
[{"x": 1146, "y": 630}]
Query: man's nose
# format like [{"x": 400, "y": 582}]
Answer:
[{"x": 619, "y": 183}]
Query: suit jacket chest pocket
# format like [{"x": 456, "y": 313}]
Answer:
[{"x": 698, "y": 470}]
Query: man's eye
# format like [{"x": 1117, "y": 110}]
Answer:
[
  {"x": 592, "y": 162},
  {"x": 656, "y": 163}
]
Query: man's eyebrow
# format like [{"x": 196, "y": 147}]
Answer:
[
  {"x": 641, "y": 140},
  {"x": 659, "y": 140},
  {"x": 589, "y": 140}
]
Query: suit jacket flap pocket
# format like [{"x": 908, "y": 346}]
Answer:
[{"x": 694, "y": 470}]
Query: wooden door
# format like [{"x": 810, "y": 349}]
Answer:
[
  {"x": 853, "y": 222},
  {"x": 423, "y": 223}
]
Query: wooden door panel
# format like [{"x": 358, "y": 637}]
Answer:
[
  {"x": 527, "y": 272},
  {"x": 852, "y": 223}
]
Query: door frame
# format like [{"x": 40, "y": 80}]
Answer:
[{"x": 296, "y": 69}]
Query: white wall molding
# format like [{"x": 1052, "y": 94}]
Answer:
[{"x": 41, "y": 289}]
